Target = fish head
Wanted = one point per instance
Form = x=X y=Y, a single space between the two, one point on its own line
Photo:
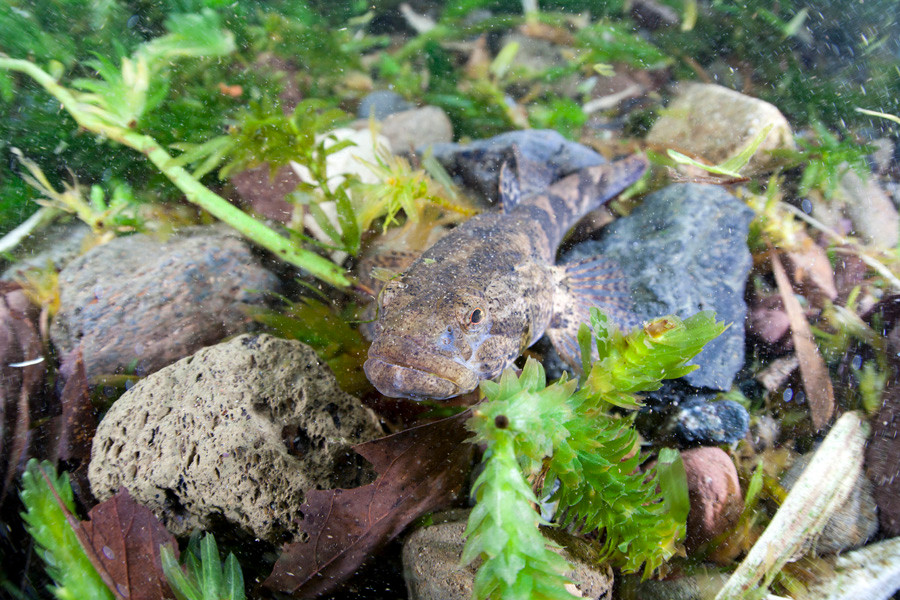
x=437 y=344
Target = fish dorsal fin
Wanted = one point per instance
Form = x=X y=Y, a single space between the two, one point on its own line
x=594 y=281
x=510 y=192
x=534 y=177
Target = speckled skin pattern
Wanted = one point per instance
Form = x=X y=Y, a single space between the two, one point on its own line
x=466 y=309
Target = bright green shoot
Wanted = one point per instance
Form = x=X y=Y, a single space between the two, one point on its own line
x=204 y=576
x=732 y=166
x=56 y=543
x=538 y=436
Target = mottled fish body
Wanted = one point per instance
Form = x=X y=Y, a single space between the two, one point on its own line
x=468 y=307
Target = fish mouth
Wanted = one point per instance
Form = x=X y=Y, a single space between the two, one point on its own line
x=399 y=379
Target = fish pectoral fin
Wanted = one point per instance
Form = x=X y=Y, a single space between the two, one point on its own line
x=592 y=282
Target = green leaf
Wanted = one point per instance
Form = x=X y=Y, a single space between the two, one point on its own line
x=181 y=585
x=673 y=483
x=233 y=581
x=211 y=580
x=732 y=166
x=43 y=493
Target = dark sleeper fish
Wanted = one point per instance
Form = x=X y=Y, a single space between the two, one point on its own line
x=468 y=307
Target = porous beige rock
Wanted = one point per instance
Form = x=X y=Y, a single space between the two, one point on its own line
x=432 y=571
x=715 y=123
x=715 y=494
x=239 y=431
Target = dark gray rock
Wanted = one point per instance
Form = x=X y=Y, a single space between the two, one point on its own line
x=382 y=103
x=477 y=165
x=685 y=250
x=139 y=303
x=698 y=422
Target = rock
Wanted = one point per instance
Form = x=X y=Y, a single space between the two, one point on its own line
x=685 y=250
x=769 y=323
x=698 y=422
x=266 y=194
x=715 y=493
x=381 y=103
x=431 y=566
x=56 y=245
x=238 y=431
x=868 y=207
x=690 y=587
x=872 y=573
x=417 y=128
x=139 y=303
x=854 y=522
x=477 y=165
x=715 y=123
x=776 y=375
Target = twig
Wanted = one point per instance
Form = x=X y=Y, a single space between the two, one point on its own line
x=42 y=217
x=824 y=486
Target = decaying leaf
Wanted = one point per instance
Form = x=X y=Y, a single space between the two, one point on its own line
x=419 y=470
x=21 y=374
x=76 y=428
x=813 y=372
x=122 y=539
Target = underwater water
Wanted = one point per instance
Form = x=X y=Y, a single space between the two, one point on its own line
x=468 y=299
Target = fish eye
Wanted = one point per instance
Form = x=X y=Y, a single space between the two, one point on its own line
x=476 y=316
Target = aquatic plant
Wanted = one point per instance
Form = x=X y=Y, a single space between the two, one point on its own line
x=204 y=576
x=566 y=447
x=112 y=107
x=44 y=494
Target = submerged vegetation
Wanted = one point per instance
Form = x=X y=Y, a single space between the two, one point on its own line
x=125 y=106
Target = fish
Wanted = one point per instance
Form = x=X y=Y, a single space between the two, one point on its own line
x=468 y=307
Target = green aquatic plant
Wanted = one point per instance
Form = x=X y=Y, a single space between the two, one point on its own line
x=733 y=165
x=403 y=188
x=203 y=576
x=105 y=217
x=44 y=493
x=565 y=446
x=112 y=105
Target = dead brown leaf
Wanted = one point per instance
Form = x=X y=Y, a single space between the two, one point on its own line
x=76 y=427
x=419 y=469
x=122 y=539
x=20 y=381
x=813 y=372
x=810 y=270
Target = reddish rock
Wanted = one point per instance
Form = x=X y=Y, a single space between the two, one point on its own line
x=715 y=493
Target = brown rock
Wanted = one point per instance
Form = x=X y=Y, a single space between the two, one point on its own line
x=715 y=493
x=264 y=193
x=139 y=303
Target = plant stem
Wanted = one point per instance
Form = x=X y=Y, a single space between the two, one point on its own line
x=91 y=119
